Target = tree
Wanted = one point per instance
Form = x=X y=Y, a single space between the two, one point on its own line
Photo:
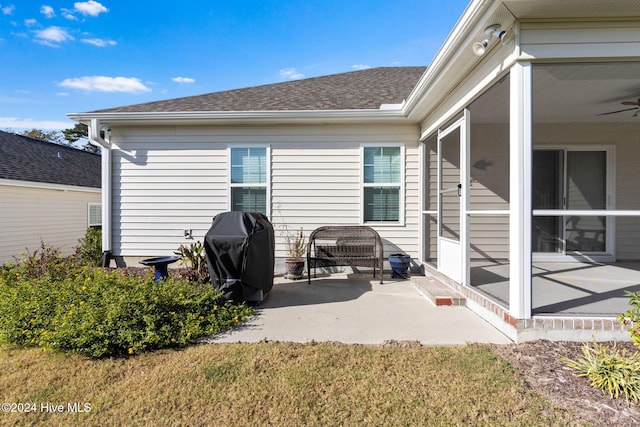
x=80 y=132
x=48 y=136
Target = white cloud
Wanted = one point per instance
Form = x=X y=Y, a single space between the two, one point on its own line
x=7 y=10
x=28 y=123
x=47 y=11
x=52 y=36
x=69 y=14
x=360 y=67
x=30 y=22
x=290 y=74
x=106 y=84
x=91 y=8
x=183 y=80
x=99 y=42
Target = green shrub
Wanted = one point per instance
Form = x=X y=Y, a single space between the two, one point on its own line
x=609 y=369
x=631 y=317
x=100 y=313
x=89 y=250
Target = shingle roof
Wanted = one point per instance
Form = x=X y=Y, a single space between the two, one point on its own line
x=27 y=159
x=365 y=89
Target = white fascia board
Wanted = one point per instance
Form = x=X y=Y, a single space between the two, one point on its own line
x=387 y=115
x=48 y=186
x=471 y=19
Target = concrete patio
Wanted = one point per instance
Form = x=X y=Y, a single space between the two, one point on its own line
x=356 y=309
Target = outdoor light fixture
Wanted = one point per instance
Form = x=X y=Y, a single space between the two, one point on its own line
x=492 y=30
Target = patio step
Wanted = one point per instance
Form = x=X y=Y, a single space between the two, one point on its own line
x=437 y=292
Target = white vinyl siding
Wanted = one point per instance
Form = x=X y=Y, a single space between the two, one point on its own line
x=586 y=39
x=166 y=180
x=31 y=215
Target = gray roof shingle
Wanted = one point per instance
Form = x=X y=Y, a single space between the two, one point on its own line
x=365 y=89
x=27 y=159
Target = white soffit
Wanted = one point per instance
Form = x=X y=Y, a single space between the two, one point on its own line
x=542 y=9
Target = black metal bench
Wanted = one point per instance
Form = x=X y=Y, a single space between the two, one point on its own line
x=354 y=246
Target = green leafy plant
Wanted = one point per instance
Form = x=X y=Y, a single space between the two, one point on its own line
x=608 y=369
x=631 y=317
x=194 y=258
x=296 y=246
x=100 y=313
x=89 y=250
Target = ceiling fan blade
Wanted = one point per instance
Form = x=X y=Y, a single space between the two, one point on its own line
x=619 y=111
x=630 y=103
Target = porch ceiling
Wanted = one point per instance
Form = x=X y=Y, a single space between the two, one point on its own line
x=576 y=93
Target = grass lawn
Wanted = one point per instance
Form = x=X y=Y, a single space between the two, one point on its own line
x=276 y=384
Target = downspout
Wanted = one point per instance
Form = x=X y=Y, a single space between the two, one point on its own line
x=105 y=145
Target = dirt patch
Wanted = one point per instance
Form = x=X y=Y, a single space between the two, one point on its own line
x=539 y=362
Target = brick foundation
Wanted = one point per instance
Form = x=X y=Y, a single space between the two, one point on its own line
x=443 y=291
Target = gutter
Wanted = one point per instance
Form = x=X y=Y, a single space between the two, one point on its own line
x=386 y=114
x=47 y=186
x=105 y=145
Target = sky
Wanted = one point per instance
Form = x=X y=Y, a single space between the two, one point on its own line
x=59 y=57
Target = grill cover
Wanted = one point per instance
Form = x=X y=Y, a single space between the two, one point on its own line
x=240 y=249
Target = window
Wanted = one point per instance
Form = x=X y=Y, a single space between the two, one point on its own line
x=94 y=215
x=382 y=184
x=249 y=170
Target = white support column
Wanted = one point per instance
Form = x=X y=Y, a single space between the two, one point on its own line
x=106 y=199
x=465 y=180
x=105 y=144
x=520 y=154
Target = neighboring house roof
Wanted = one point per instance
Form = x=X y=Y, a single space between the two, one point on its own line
x=356 y=90
x=27 y=159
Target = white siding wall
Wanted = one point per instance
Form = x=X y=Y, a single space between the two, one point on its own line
x=166 y=180
x=29 y=216
x=579 y=39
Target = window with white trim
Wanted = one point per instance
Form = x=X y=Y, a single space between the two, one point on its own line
x=382 y=172
x=94 y=215
x=249 y=178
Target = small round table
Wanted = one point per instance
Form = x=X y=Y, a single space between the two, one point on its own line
x=160 y=265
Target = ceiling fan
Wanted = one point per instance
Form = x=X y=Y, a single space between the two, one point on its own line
x=637 y=107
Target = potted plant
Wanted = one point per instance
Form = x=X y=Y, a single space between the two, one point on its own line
x=296 y=249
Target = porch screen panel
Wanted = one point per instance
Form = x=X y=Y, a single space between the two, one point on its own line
x=547 y=194
x=430 y=199
x=249 y=179
x=382 y=178
x=450 y=187
x=586 y=190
